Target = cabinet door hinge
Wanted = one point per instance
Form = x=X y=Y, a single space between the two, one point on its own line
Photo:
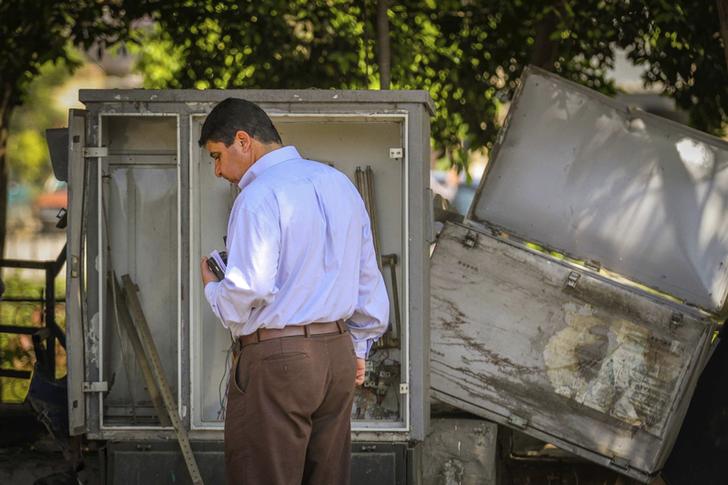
x=95 y=386
x=95 y=152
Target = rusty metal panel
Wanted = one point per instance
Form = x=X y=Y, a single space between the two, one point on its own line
x=460 y=451
x=589 y=176
x=560 y=352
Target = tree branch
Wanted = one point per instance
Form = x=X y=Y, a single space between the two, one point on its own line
x=384 y=51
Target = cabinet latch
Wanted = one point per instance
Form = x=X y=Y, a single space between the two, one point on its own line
x=572 y=279
x=470 y=240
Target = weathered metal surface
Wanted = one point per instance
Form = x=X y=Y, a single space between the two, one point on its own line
x=154 y=133
x=602 y=370
x=74 y=259
x=583 y=173
x=311 y=97
x=159 y=462
x=460 y=451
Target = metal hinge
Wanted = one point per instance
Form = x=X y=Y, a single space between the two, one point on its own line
x=404 y=388
x=396 y=153
x=572 y=279
x=620 y=463
x=95 y=152
x=74 y=266
x=95 y=386
x=593 y=265
x=517 y=421
x=470 y=240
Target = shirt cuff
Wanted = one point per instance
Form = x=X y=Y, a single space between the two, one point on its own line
x=210 y=293
x=362 y=347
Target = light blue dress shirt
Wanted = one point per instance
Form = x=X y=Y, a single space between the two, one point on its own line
x=300 y=250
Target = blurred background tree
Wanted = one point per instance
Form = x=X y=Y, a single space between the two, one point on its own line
x=34 y=33
x=467 y=54
x=27 y=154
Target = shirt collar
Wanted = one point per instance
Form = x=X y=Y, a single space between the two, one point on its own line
x=267 y=161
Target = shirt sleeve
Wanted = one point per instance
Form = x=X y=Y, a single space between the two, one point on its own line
x=371 y=316
x=250 y=278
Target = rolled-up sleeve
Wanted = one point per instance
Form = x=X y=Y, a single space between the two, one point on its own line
x=371 y=316
x=250 y=278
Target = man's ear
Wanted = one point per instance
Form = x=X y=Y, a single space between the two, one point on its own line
x=244 y=139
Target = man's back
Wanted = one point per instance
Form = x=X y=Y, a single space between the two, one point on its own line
x=302 y=248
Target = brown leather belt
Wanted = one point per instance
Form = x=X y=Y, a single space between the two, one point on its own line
x=316 y=328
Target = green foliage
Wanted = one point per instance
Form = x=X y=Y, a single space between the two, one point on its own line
x=679 y=41
x=468 y=55
x=35 y=32
x=27 y=151
x=273 y=44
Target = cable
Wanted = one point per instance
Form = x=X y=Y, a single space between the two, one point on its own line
x=223 y=396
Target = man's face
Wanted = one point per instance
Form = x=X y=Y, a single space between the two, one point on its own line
x=231 y=162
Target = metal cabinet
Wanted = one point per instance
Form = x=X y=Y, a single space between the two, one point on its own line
x=578 y=299
x=145 y=203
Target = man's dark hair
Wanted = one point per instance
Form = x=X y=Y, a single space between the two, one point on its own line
x=234 y=114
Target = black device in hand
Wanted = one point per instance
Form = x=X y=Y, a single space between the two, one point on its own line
x=217 y=262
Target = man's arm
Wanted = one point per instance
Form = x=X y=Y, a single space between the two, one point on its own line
x=371 y=316
x=250 y=279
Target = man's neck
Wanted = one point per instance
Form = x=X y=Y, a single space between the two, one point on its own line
x=263 y=149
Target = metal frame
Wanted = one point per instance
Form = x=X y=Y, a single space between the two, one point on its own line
x=403 y=116
x=103 y=268
x=307 y=103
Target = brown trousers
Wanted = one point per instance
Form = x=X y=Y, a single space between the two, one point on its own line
x=288 y=417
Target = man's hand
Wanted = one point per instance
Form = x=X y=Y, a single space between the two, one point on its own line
x=361 y=366
x=207 y=275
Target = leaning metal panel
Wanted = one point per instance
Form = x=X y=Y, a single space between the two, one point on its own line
x=560 y=352
x=586 y=175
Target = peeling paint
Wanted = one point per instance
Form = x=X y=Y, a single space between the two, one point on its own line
x=613 y=366
x=92 y=340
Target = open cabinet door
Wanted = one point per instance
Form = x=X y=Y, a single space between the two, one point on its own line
x=74 y=272
x=578 y=299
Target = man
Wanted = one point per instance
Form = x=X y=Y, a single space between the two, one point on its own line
x=304 y=296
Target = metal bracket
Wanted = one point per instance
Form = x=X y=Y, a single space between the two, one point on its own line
x=470 y=240
x=517 y=421
x=677 y=319
x=621 y=463
x=95 y=386
x=572 y=279
x=593 y=265
x=404 y=388
x=396 y=153
x=95 y=152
